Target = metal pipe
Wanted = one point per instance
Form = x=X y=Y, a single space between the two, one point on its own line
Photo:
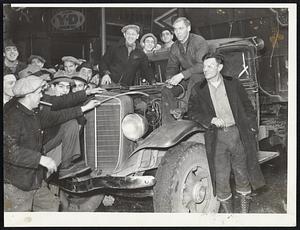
x=103 y=31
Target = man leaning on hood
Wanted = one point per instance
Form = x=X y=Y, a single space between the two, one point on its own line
x=121 y=62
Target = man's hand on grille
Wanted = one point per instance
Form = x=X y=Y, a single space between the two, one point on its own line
x=48 y=163
x=218 y=122
x=90 y=105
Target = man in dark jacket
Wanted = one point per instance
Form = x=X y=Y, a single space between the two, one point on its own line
x=221 y=105
x=24 y=158
x=184 y=66
x=121 y=63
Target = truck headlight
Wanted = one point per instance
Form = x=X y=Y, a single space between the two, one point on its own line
x=134 y=126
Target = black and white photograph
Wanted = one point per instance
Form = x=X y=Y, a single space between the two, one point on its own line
x=149 y=114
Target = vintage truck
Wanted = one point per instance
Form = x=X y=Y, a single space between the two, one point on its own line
x=132 y=154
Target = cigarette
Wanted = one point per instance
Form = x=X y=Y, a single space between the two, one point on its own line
x=45 y=103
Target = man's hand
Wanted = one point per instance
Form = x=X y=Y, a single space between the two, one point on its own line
x=90 y=105
x=106 y=80
x=218 y=122
x=48 y=163
x=94 y=91
x=175 y=79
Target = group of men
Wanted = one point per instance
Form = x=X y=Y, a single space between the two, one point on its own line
x=219 y=103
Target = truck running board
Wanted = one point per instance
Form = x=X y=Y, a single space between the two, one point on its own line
x=87 y=184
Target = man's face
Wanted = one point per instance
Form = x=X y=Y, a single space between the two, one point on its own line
x=61 y=88
x=149 y=43
x=11 y=53
x=35 y=98
x=37 y=62
x=79 y=85
x=181 y=31
x=131 y=35
x=70 y=67
x=9 y=81
x=86 y=73
x=211 y=68
x=166 y=36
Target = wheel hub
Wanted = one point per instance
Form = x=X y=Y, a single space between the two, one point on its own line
x=199 y=192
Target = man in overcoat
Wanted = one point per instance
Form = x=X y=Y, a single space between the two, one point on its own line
x=221 y=105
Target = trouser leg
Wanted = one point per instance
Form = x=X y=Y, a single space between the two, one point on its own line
x=45 y=200
x=17 y=200
x=169 y=102
x=222 y=168
x=68 y=136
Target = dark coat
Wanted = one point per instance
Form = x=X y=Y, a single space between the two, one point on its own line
x=201 y=110
x=123 y=68
x=23 y=135
x=62 y=102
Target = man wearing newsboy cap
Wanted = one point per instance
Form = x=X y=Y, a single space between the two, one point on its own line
x=25 y=162
x=121 y=62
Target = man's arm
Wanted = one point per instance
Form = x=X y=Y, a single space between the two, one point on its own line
x=173 y=66
x=201 y=47
x=13 y=152
x=196 y=109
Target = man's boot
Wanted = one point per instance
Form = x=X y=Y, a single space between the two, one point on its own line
x=227 y=205
x=245 y=203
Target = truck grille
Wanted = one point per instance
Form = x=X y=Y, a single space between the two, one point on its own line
x=102 y=136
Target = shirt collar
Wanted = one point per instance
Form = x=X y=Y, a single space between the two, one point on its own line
x=216 y=84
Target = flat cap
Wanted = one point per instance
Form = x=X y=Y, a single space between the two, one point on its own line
x=29 y=70
x=146 y=36
x=8 y=43
x=27 y=85
x=79 y=77
x=60 y=76
x=36 y=57
x=70 y=58
x=131 y=26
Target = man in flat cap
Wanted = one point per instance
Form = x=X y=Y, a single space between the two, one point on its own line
x=36 y=60
x=25 y=159
x=70 y=64
x=11 y=54
x=121 y=62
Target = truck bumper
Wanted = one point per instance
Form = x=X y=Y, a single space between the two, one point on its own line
x=87 y=184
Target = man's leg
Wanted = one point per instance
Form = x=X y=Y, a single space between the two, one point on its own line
x=223 y=169
x=169 y=101
x=68 y=135
x=239 y=166
x=45 y=200
x=17 y=200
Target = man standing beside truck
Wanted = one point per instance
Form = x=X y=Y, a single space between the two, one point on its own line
x=221 y=105
x=185 y=66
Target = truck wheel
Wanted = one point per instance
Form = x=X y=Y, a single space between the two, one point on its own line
x=79 y=203
x=184 y=182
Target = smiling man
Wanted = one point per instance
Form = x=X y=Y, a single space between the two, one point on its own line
x=10 y=61
x=185 y=66
x=121 y=63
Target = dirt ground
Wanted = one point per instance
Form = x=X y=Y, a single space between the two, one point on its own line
x=270 y=199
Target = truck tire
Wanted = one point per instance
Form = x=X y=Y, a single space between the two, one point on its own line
x=79 y=203
x=184 y=182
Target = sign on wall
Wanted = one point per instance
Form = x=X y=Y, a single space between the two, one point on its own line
x=68 y=21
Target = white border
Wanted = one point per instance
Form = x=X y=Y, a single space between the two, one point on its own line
x=194 y=219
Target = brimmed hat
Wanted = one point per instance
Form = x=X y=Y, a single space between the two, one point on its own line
x=8 y=43
x=29 y=70
x=148 y=35
x=27 y=85
x=70 y=58
x=36 y=57
x=60 y=76
x=131 y=26
x=79 y=77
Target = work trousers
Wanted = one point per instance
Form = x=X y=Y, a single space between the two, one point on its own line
x=230 y=155
x=42 y=199
x=68 y=138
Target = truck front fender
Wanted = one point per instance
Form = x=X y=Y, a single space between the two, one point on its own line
x=168 y=135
